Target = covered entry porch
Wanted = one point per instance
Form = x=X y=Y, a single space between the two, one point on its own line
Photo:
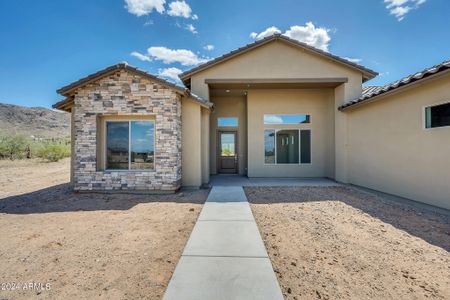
x=274 y=128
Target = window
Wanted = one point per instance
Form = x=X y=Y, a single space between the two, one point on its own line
x=227 y=122
x=227 y=144
x=130 y=145
x=305 y=146
x=287 y=146
x=437 y=116
x=286 y=119
x=269 y=146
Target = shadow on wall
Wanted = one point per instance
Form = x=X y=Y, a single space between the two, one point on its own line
x=431 y=226
x=61 y=198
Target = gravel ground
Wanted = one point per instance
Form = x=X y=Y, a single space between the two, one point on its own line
x=107 y=246
x=342 y=243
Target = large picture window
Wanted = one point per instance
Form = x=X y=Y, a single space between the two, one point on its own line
x=130 y=145
x=287 y=146
x=437 y=116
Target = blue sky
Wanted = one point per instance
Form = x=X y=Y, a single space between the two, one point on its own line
x=47 y=44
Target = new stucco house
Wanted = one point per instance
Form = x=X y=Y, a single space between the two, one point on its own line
x=273 y=108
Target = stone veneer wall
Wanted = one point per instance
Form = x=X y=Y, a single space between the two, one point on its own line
x=125 y=93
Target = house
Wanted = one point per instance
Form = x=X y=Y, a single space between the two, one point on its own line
x=273 y=108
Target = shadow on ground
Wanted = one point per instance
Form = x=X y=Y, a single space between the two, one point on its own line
x=61 y=198
x=429 y=225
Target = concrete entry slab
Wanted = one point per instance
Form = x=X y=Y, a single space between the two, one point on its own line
x=223 y=278
x=236 y=180
x=225 y=238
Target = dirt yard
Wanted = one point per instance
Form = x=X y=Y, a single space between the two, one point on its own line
x=342 y=243
x=87 y=245
x=28 y=175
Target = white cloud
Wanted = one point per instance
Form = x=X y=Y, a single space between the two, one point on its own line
x=272 y=119
x=310 y=34
x=140 y=56
x=209 y=47
x=268 y=32
x=191 y=28
x=399 y=8
x=317 y=37
x=171 y=73
x=144 y=7
x=181 y=9
x=169 y=56
x=353 y=60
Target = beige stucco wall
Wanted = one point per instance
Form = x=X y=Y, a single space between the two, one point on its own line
x=227 y=107
x=276 y=60
x=191 y=141
x=390 y=150
x=280 y=60
x=205 y=114
x=318 y=103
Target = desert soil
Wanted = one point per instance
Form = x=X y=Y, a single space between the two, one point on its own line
x=343 y=243
x=87 y=246
x=29 y=175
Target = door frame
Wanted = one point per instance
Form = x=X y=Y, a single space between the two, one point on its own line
x=219 y=148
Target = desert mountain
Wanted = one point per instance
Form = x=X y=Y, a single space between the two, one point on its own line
x=33 y=121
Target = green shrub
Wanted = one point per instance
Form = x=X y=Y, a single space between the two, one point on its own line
x=53 y=151
x=14 y=147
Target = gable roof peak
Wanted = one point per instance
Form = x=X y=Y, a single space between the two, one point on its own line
x=367 y=73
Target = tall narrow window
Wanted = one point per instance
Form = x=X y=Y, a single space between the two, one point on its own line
x=287 y=147
x=142 y=143
x=117 y=143
x=130 y=145
x=437 y=116
x=269 y=146
x=305 y=146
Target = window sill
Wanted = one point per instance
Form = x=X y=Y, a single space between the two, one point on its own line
x=128 y=171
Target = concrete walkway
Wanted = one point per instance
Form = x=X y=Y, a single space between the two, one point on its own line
x=225 y=257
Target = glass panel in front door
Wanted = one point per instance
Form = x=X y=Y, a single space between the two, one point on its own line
x=228 y=144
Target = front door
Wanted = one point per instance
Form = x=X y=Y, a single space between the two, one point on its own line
x=227 y=156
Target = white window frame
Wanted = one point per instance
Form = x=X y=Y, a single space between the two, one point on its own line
x=424 y=116
x=299 y=147
x=105 y=158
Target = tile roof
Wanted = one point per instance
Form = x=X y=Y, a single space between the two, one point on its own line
x=370 y=92
x=368 y=72
x=66 y=90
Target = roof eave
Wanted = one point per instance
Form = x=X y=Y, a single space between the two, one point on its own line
x=64 y=105
x=68 y=89
x=385 y=93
